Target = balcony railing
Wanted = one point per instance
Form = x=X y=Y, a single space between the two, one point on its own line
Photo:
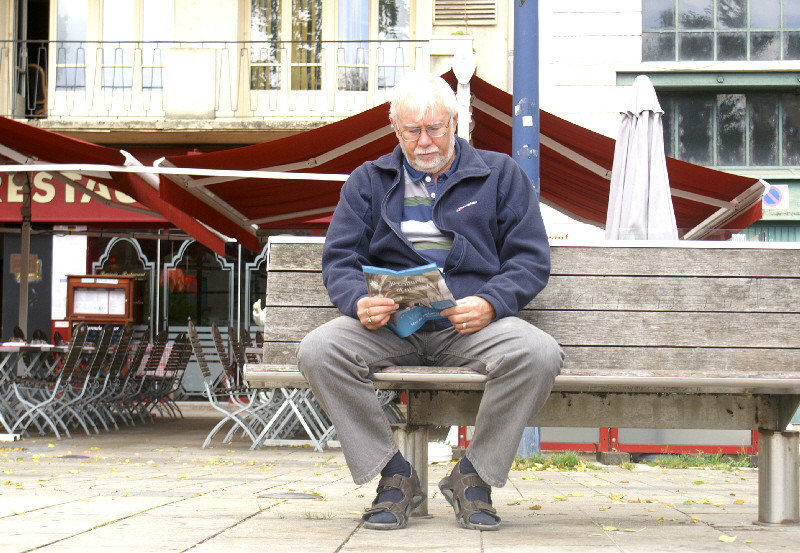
x=235 y=81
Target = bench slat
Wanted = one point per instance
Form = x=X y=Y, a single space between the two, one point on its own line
x=688 y=259
x=447 y=378
x=778 y=295
x=645 y=361
x=604 y=328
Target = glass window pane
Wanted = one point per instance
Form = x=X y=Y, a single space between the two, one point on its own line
x=352 y=58
x=157 y=30
x=118 y=37
x=731 y=14
x=306 y=44
x=731 y=112
x=763 y=129
x=393 y=24
x=791 y=14
x=658 y=47
x=265 y=49
x=668 y=120
x=765 y=14
x=695 y=14
x=72 y=18
x=731 y=46
x=791 y=129
x=71 y=49
x=694 y=129
x=765 y=46
x=695 y=46
x=791 y=48
x=658 y=14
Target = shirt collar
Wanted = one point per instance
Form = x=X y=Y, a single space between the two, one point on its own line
x=419 y=175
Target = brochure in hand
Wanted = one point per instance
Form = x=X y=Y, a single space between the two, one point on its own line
x=420 y=292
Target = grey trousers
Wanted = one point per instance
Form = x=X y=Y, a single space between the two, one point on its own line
x=520 y=361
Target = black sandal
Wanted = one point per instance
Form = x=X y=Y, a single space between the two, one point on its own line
x=454 y=490
x=413 y=496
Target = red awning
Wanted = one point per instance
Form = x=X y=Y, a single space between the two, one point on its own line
x=575 y=174
x=24 y=144
x=575 y=171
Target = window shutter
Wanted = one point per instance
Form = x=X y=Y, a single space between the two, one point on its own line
x=465 y=12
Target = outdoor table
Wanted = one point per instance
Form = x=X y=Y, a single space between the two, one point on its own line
x=20 y=359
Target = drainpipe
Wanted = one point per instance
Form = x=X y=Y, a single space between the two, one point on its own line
x=525 y=130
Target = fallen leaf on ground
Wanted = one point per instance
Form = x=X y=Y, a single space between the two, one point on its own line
x=727 y=539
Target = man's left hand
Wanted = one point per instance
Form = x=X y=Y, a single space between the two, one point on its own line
x=470 y=314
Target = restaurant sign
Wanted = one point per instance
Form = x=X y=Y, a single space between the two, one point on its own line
x=54 y=201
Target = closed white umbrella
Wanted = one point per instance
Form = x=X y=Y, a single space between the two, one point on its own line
x=639 y=202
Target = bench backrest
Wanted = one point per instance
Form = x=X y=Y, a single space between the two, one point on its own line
x=687 y=309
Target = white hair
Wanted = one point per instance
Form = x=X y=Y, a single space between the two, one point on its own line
x=422 y=91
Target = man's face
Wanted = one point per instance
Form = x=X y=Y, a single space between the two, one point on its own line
x=425 y=153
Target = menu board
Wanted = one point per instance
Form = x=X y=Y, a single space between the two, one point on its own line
x=99 y=299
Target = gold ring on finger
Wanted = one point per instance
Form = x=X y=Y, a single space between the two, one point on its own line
x=367 y=311
x=369 y=320
x=463 y=326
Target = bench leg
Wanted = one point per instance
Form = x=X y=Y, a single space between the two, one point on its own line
x=413 y=444
x=778 y=480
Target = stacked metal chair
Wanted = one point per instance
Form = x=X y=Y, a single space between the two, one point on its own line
x=119 y=397
x=98 y=397
x=72 y=406
x=135 y=395
x=160 y=383
x=238 y=404
x=41 y=399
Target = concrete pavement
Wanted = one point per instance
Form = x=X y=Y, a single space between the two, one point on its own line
x=152 y=488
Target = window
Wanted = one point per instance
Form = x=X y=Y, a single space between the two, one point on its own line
x=71 y=43
x=733 y=129
x=724 y=30
x=365 y=33
x=133 y=36
x=280 y=25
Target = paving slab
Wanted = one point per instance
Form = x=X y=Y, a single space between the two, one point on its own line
x=151 y=488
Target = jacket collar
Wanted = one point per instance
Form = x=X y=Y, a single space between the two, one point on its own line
x=470 y=164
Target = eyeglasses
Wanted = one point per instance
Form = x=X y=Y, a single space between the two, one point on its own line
x=433 y=131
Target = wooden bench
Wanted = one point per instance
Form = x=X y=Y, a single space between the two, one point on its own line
x=699 y=335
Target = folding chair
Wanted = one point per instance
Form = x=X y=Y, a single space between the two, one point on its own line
x=222 y=391
x=38 y=396
x=71 y=404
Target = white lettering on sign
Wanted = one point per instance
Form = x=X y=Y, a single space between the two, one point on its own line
x=43 y=189
x=99 y=189
x=123 y=198
x=14 y=192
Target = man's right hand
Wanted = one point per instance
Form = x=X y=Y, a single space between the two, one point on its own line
x=374 y=312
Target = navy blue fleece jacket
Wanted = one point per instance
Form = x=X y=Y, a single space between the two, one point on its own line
x=489 y=206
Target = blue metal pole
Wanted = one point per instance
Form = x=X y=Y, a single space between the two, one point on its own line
x=525 y=130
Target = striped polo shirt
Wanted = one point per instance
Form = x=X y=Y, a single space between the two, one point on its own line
x=421 y=191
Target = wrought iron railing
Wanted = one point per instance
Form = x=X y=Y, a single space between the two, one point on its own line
x=201 y=80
